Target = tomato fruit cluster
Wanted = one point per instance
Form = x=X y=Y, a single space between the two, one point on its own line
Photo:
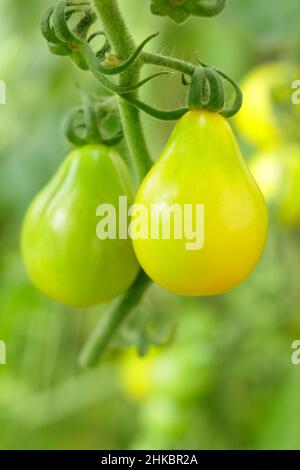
x=200 y=166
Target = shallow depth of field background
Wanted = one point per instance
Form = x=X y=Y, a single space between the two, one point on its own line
x=225 y=380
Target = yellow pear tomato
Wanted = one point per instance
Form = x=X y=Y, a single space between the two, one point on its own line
x=224 y=216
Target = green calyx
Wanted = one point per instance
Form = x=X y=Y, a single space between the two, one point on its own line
x=64 y=41
x=90 y=123
x=207 y=91
x=180 y=10
x=57 y=43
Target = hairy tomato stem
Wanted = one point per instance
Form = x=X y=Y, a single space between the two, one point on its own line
x=123 y=46
x=168 y=62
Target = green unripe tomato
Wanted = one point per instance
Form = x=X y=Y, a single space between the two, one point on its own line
x=62 y=253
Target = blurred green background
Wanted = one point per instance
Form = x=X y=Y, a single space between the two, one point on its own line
x=225 y=380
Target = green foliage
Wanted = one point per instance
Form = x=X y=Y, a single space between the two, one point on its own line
x=236 y=349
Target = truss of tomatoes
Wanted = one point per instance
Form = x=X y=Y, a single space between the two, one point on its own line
x=201 y=164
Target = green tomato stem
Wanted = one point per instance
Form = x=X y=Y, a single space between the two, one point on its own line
x=102 y=336
x=168 y=62
x=123 y=45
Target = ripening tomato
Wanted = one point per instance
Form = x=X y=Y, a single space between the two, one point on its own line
x=136 y=373
x=63 y=255
x=268 y=116
x=182 y=373
x=224 y=217
x=277 y=173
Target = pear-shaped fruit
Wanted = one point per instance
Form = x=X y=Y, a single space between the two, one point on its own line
x=224 y=219
x=63 y=255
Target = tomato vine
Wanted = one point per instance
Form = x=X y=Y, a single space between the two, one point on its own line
x=121 y=57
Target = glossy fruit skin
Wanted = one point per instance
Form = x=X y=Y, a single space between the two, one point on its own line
x=268 y=117
x=277 y=173
x=202 y=164
x=62 y=253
